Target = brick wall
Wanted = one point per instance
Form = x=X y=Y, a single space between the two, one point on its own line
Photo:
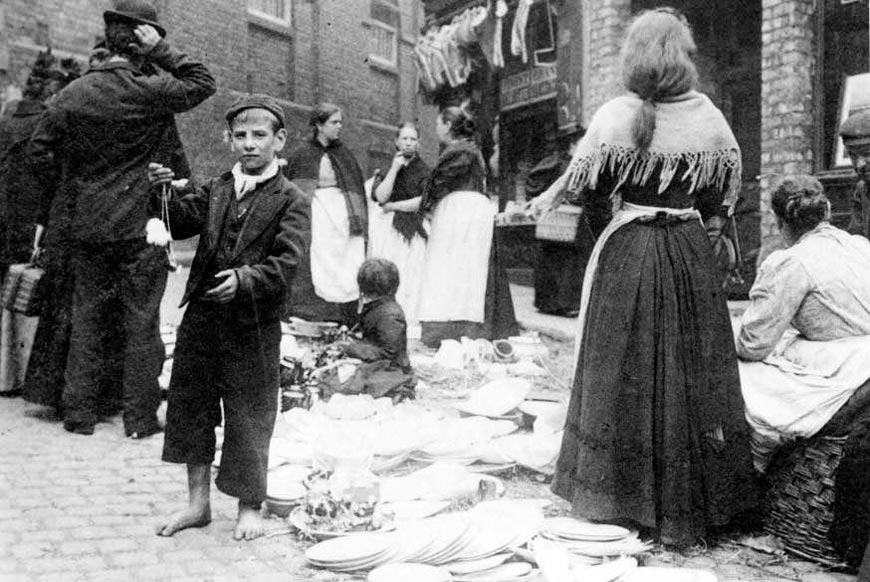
x=787 y=119
x=607 y=22
x=299 y=64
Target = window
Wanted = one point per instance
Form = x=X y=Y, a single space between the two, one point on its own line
x=383 y=32
x=277 y=11
x=845 y=54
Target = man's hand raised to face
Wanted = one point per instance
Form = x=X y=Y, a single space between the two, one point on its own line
x=148 y=37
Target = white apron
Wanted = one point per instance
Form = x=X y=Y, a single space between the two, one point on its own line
x=335 y=255
x=453 y=285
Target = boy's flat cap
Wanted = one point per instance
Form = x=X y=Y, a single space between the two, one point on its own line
x=856 y=127
x=256 y=101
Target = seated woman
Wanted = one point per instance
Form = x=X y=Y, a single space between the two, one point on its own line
x=805 y=338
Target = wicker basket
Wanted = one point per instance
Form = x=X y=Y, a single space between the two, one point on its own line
x=800 y=500
x=560 y=225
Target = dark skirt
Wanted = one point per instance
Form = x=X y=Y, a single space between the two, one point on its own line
x=306 y=304
x=44 y=381
x=657 y=373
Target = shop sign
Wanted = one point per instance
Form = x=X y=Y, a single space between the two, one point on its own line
x=530 y=86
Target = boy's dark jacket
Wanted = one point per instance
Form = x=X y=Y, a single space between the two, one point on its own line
x=272 y=242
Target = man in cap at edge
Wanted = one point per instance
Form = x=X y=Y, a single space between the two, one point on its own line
x=855 y=132
x=99 y=136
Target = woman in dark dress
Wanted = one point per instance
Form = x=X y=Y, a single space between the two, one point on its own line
x=464 y=290
x=560 y=265
x=655 y=432
x=403 y=241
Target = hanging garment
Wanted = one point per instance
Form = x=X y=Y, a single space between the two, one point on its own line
x=518 y=32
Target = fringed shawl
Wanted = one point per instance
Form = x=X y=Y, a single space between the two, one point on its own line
x=303 y=167
x=689 y=129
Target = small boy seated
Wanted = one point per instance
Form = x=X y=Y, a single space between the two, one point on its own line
x=253 y=228
x=383 y=348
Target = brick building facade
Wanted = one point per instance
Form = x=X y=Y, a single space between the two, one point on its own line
x=776 y=68
x=355 y=54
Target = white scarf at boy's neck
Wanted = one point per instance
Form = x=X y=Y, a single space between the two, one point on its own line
x=244 y=183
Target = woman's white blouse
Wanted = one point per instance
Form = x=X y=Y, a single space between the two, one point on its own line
x=820 y=286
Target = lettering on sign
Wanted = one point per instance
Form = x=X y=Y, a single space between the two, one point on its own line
x=527 y=87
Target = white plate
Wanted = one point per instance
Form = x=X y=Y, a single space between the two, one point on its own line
x=537 y=408
x=498 y=397
x=300 y=519
x=413 y=509
x=503 y=573
x=573 y=529
x=345 y=549
x=489 y=540
x=609 y=571
x=664 y=574
x=408 y=573
x=286 y=491
x=472 y=566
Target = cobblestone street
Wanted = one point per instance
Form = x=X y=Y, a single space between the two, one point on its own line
x=80 y=508
x=84 y=508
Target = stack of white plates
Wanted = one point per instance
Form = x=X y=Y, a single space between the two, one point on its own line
x=592 y=539
x=352 y=553
x=523 y=517
x=570 y=529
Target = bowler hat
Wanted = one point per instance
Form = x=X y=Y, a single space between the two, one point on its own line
x=256 y=101
x=135 y=12
x=856 y=128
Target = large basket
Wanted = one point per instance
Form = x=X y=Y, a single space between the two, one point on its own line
x=560 y=225
x=800 y=500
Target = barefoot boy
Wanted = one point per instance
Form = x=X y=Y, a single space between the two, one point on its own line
x=254 y=228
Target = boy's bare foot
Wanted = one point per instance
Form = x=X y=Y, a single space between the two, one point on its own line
x=192 y=516
x=250 y=524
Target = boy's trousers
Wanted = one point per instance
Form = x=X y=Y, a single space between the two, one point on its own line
x=219 y=361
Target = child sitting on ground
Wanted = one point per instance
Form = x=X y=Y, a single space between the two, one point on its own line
x=254 y=228
x=383 y=348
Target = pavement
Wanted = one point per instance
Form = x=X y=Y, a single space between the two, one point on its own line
x=83 y=508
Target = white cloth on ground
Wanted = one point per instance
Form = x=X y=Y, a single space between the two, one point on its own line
x=453 y=286
x=335 y=256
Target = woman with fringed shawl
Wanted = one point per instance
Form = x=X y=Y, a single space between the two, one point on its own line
x=655 y=434
x=324 y=168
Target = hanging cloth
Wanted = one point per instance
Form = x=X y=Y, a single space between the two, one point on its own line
x=518 y=32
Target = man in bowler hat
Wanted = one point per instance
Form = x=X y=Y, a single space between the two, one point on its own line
x=94 y=144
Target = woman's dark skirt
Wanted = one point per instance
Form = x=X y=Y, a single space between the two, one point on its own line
x=45 y=379
x=657 y=375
